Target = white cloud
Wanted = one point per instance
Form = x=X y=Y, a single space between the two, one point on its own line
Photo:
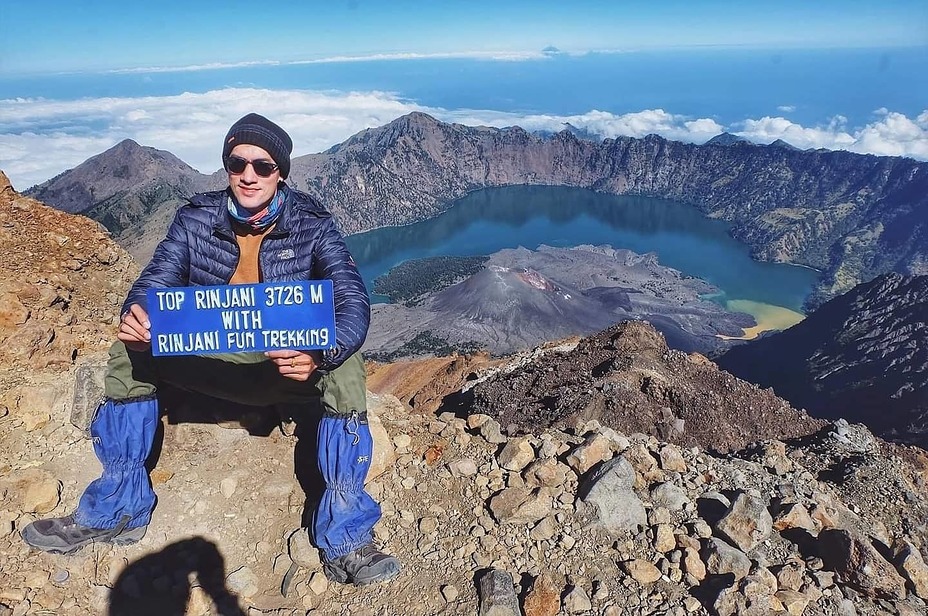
x=496 y=56
x=891 y=134
x=602 y=123
x=193 y=67
x=769 y=129
x=500 y=56
x=40 y=138
x=787 y=108
x=504 y=56
x=895 y=135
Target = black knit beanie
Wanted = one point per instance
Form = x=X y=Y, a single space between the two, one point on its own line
x=257 y=130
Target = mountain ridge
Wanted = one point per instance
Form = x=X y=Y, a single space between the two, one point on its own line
x=850 y=216
x=123 y=167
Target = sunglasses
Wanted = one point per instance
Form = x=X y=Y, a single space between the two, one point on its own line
x=237 y=164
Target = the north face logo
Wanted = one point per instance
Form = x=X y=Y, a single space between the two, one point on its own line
x=285 y=254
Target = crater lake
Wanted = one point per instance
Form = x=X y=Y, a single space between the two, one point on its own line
x=489 y=220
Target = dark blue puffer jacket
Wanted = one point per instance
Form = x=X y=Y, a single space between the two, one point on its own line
x=200 y=250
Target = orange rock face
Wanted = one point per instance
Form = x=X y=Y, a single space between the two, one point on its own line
x=62 y=282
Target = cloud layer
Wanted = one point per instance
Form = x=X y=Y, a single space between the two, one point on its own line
x=41 y=138
x=499 y=56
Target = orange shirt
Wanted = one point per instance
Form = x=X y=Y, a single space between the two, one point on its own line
x=249 y=241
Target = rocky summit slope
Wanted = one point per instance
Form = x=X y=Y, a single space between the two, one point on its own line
x=579 y=513
x=627 y=378
x=851 y=216
x=862 y=356
x=62 y=281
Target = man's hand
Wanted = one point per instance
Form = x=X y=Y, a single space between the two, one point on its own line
x=134 y=329
x=296 y=365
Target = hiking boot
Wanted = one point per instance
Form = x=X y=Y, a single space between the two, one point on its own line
x=65 y=535
x=366 y=565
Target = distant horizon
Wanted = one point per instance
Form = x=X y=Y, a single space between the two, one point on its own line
x=101 y=35
x=525 y=55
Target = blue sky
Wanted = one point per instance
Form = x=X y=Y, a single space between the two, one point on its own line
x=91 y=35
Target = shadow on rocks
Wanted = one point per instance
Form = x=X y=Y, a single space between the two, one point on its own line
x=461 y=403
x=306 y=460
x=303 y=419
x=160 y=584
x=806 y=543
x=708 y=590
x=193 y=407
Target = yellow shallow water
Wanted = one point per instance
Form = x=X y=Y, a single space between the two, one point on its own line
x=768 y=317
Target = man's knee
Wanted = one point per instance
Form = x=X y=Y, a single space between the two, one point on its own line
x=128 y=374
x=344 y=389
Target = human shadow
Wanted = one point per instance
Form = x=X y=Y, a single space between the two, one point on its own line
x=160 y=584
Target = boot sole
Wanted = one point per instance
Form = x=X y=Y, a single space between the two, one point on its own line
x=127 y=537
x=383 y=577
x=341 y=576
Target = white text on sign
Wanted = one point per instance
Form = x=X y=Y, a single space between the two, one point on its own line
x=242 y=318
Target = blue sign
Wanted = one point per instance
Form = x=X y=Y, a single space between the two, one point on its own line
x=237 y=318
